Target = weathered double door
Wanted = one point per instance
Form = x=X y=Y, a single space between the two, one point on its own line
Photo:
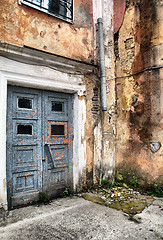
x=39 y=144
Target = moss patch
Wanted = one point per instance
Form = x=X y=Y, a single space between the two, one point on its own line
x=94 y=198
x=127 y=200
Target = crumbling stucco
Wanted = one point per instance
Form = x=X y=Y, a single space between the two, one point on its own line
x=25 y=26
x=138 y=45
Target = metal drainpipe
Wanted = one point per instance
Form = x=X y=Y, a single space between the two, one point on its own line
x=102 y=64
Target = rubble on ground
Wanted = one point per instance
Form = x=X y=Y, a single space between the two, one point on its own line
x=121 y=198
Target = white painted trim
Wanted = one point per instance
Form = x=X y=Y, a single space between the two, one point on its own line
x=42 y=77
x=3 y=106
x=79 y=146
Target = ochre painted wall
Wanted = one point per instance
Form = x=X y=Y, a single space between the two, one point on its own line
x=139 y=98
x=25 y=26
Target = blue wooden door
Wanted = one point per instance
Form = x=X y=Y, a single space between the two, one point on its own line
x=57 y=168
x=39 y=144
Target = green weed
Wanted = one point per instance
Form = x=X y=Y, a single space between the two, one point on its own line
x=159 y=190
x=104 y=182
x=135 y=181
x=67 y=192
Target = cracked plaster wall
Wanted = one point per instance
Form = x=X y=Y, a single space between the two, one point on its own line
x=139 y=106
x=25 y=26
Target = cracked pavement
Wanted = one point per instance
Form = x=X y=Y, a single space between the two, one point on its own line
x=76 y=218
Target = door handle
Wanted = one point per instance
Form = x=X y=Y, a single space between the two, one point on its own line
x=50 y=151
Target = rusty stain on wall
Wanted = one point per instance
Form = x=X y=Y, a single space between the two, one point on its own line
x=137 y=46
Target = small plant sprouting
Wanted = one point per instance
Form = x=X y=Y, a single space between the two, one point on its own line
x=111 y=184
x=135 y=181
x=117 y=184
x=104 y=182
x=159 y=190
x=67 y=192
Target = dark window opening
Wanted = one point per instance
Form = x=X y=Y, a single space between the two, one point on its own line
x=25 y=103
x=24 y=129
x=58 y=130
x=58 y=8
x=57 y=107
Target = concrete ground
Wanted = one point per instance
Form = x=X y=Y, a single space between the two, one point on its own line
x=77 y=218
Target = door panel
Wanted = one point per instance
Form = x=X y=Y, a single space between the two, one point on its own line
x=58 y=143
x=39 y=144
x=23 y=145
x=26 y=105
